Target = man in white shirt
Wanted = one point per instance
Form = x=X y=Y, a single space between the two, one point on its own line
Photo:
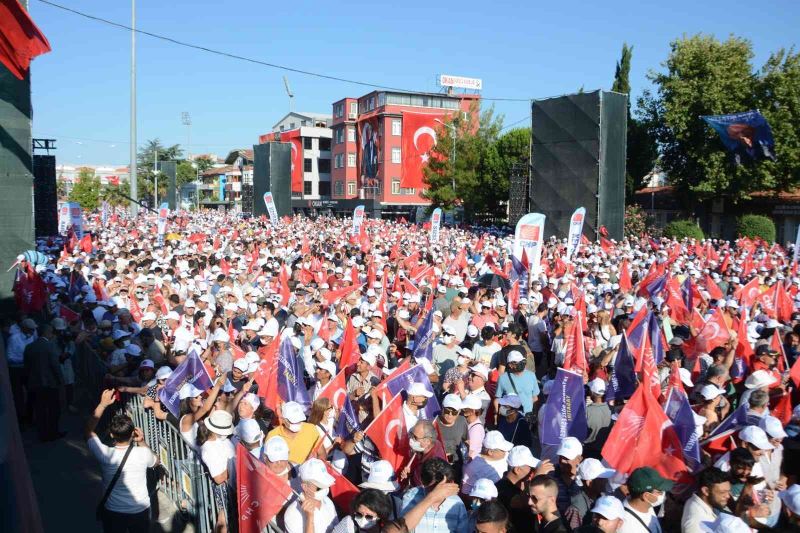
x=127 y=507
x=315 y=505
x=713 y=493
x=647 y=491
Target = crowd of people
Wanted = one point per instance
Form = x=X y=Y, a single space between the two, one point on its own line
x=315 y=339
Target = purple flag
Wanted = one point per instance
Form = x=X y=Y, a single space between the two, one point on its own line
x=655 y=339
x=415 y=374
x=520 y=272
x=679 y=411
x=622 y=382
x=564 y=413
x=423 y=340
x=687 y=291
x=734 y=422
x=348 y=421
x=290 y=376
x=191 y=371
x=655 y=287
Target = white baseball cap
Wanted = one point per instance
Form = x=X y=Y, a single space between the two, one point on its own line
x=710 y=391
x=494 y=440
x=453 y=401
x=249 y=431
x=293 y=412
x=163 y=372
x=570 y=448
x=727 y=523
x=791 y=498
x=515 y=357
x=597 y=386
x=757 y=437
x=471 y=402
x=314 y=471
x=522 y=456
x=327 y=365
x=381 y=477
x=609 y=508
x=759 y=379
x=480 y=369
x=370 y=357
x=686 y=377
x=483 y=489
x=772 y=427
x=276 y=449
x=591 y=468
x=510 y=400
x=418 y=389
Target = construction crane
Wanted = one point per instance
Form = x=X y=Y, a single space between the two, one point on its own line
x=289 y=93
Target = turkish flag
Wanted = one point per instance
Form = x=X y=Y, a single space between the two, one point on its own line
x=224 y=266
x=297 y=160
x=625 y=276
x=677 y=308
x=783 y=304
x=419 y=138
x=261 y=493
x=644 y=436
x=342 y=491
x=388 y=433
x=781 y=408
x=20 y=39
x=748 y=294
x=136 y=311
x=158 y=298
x=713 y=289
x=350 y=352
x=267 y=375
x=575 y=356
x=71 y=316
x=336 y=390
x=714 y=333
x=332 y=296
x=305 y=248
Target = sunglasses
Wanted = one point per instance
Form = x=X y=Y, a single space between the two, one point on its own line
x=450 y=411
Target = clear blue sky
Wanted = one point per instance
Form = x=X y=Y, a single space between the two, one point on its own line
x=520 y=49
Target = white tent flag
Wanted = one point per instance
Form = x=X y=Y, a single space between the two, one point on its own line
x=575 y=231
x=436 y=223
x=358 y=219
x=273 y=213
x=797 y=245
x=529 y=236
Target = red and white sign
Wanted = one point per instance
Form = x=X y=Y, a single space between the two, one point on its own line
x=446 y=80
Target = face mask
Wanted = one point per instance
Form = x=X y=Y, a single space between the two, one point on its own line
x=283 y=472
x=295 y=428
x=462 y=361
x=321 y=494
x=659 y=500
x=331 y=416
x=415 y=445
x=365 y=523
x=503 y=410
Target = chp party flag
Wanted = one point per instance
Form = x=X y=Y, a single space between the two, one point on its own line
x=679 y=411
x=564 y=413
x=622 y=382
x=400 y=381
x=348 y=420
x=269 y=201
x=290 y=375
x=575 y=232
x=436 y=223
x=261 y=494
x=746 y=135
x=528 y=236
x=358 y=219
x=191 y=371
x=424 y=339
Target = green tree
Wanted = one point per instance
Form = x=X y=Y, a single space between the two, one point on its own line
x=641 y=147
x=703 y=77
x=86 y=190
x=186 y=173
x=203 y=163
x=61 y=188
x=151 y=152
x=114 y=194
x=476 y=163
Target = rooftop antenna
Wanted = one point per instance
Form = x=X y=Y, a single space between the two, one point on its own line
x=289 y=93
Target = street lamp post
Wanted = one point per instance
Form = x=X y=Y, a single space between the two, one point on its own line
x=452 y=129
x=132 y=177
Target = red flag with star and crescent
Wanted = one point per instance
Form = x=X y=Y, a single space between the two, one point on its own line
x=419 y=138
x=388 y=433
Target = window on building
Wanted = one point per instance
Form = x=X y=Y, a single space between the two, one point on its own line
x=304 y=123
x=338 y=161
x=408 y=191
x=339 y=135
x=351 y=188
x=307 y=165
x=351 y=160
x=381 y=99
x=353 y=109
x=324 y=166
x=291 y=125
x=371 y=103
x=324 y=188
x=396 y=155
x=396 y=126
x=307 y=143
x=351 y=135
x=339 y=188
x=282 y=127
x=324 y=145
x=395 y=186
x=308 y=186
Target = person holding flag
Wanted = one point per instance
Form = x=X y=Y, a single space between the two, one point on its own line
x=301 y=436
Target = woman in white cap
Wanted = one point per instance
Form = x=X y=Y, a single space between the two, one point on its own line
x=219 y=455
x=483 y=490
x=314 y=506
x=193 y=407
x=490 y=464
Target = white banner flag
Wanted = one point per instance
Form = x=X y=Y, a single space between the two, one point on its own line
x=273 y=213
x=436 y=223
x=529 y=236
x=358 y=219
x=575 y=231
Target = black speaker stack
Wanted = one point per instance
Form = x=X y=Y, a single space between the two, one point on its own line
x=45 y=196
x=247 y=199
x=272 y=172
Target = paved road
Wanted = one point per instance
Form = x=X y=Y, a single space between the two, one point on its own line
x=67 y=482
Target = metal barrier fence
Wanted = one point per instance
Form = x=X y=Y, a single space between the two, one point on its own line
x=184 y=479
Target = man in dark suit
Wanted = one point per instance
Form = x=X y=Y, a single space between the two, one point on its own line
x=43 y=361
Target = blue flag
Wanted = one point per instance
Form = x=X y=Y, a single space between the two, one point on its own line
x=291 y=387
x=424 y=339
x=193 y=371
x=622 y=383
x=348 y=421
x=679 y=411
x=655 y=287
x=76 y=285
x=655 y=339
x=564 y=413
x=734 y=422
x=746 y=135
x=415 y=374
x=520 y=272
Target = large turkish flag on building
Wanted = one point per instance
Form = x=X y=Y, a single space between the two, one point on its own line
x=419 y=138
x=20 y=39
x=293 y=138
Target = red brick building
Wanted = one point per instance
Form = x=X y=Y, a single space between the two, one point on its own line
x=375 y=161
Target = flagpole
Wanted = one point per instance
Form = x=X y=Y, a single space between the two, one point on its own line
x=133 y=178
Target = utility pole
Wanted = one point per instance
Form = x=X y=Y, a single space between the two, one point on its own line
x=155 y=176
x=132 y=179
x=453 y=132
